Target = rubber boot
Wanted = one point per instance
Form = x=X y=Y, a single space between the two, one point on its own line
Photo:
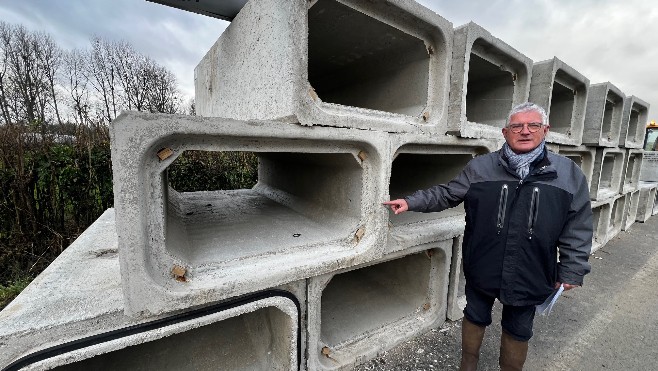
x=472 y=335
x=512 y=353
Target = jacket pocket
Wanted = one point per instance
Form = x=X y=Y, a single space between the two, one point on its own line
x=534 y=210
x=502 y=208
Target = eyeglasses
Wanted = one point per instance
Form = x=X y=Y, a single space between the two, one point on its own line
x=533 y=127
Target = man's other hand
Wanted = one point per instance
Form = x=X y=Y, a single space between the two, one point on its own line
x=398 y=206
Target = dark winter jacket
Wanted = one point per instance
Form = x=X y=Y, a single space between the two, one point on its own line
x=514 y=227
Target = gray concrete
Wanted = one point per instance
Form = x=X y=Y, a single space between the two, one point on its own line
x=647 y=202
x=318 y=188
x=608 y=324
x=562 y=91
x=632 y=201
x=79 y=295
x=457 y=287
x=488 y=78
x=601 y=211
x=609 y=170
x=316 y=207
x=354 y=314
x=634 y=117
x=605 y=103
x=634 y=158
x=347 y=63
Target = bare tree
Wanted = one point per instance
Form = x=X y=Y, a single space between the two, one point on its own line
x=77 y=84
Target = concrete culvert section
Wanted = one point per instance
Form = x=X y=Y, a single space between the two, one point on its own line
x=368 y=310
x=603 y=118
x=616 y=216
x=632 y=171
x=608 y=171
x=357 y=60
x=562 y=105
x=301 y=199
x=490 y=91
x=562 y=91
x=261 y=335
x=635 y=115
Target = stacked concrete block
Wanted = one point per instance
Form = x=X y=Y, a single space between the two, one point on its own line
x=605 y=103
x=349 y=63
x=323 y=186
x=618 y=207
x=632 y=200
x=607 y=177
x=457 y=287
x=635 y=115
x=646 y=202
x=601 y=211
x=632 y=170
x=356 y=313
x=562 y=91
x=90 y=330
x=488 y=78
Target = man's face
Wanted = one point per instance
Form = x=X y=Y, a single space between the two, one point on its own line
x=524 y=141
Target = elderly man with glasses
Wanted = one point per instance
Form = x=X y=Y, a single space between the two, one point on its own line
x=524 y=206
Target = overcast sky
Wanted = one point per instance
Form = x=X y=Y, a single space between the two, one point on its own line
x=605 y=40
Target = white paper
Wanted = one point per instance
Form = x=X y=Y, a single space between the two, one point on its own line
x=544 y=308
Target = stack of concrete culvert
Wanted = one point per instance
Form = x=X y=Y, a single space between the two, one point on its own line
x=346 y=104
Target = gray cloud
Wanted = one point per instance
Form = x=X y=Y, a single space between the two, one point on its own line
x=605 y=40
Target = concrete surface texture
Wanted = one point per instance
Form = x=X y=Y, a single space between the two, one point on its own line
x=608 y=324
x=488 y=78
x=354 y=312
x=634 y=118
x=632 y=171
x=605 y=103
x=345 y=63
x=562 y=91
x=607 y=178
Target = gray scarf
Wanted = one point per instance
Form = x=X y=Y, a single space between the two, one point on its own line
x=521 y=162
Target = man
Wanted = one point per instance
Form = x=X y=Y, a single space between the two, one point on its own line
x=522 y=204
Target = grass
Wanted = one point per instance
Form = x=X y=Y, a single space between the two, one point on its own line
x=9 y=292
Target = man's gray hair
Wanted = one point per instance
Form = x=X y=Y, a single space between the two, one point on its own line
x=527 y=107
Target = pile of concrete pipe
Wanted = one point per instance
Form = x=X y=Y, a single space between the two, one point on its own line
x=346 y=104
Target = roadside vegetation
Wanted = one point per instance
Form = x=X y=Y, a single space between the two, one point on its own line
x=55 y=166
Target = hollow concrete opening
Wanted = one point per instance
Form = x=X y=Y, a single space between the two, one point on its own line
x=632 y=173
x=611 y=115
x=562 y=105
x=598 y=216
x=616 y=215
x=631 y=208
x=607 y=172
x=490 y=89
x=356 y=60
x=300 y=199
x=366 y=299
x=636 y=121
x=258 y=340
x=414 y=171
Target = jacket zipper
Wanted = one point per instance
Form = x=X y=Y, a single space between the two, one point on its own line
x=534 y=210
x=502 y=207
